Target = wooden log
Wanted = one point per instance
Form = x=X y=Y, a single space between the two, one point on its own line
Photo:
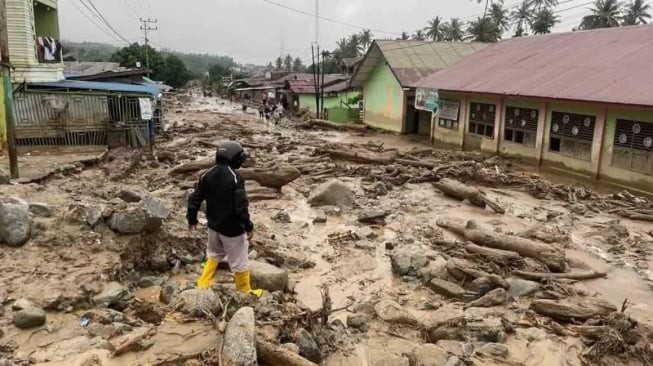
x=495 y=255
x=572 y=308
x=334 y=126
x=460 y=268
x=274 y=177
x=578 y=275
x=591 y=331
x=356 y=157
x=638 y=216
x=192 y=166
x=418 y=163
x=461 y=191
x=549 y=255
x=272 y=354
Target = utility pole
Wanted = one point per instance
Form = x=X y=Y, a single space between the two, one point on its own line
x=145 y=27
x=10 y=111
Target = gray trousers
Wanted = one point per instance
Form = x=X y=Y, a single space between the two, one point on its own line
x=235 y=250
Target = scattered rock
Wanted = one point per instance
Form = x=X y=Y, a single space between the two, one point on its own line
x=495 y=349
x=308 y=348
x=451 y=347
x=268 y=277
x=149 y=281
x=165 y=156
x=481 y=286
x=380 y=188
x=492 y=298
x=130 y=196
x=446 y=288
x=5 y=178
x=373 y=216
x=389 y=245
x=359 y=321
x=437 y=268
x=291 y=347
x=168 y=291
x=196 y=302
x=366 y=232
x=21 y=304
x=408 y=261
x=239 y=347
x=40 y=209
x=15 y=223
x=320 y=219
x=519 y=287
x=93 y=215
x=455 y=361
x=29 y=317
x=365 y=245
x=392 y=312
x=428 y=355
x=131 y=220
x=156 y=212
x=114 y=296
x=332 y=193
x=282 y=216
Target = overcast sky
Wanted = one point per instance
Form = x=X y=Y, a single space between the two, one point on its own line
x=256 y=31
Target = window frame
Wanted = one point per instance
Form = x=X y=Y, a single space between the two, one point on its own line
x=528 y=130
x=630 y=148
x=570 y=121
x=490 y=123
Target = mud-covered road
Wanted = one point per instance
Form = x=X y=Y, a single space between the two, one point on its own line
x=365 y=259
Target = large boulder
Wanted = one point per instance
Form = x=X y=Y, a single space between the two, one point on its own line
x=392 y=312
x=408 y=261
x=29 y=317
x=428 y=355
x=5 y=178
x=15 y=223
x=332 y=193
x=40 y=209
x=268 y=277
x=196 y=302
x=131 y=220
x=156 y=212
x=519 y=287
x=239 y=347
x=446 y=288
x=114 y=296
x=308 y=347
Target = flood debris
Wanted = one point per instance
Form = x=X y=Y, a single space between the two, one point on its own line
x=453 y=188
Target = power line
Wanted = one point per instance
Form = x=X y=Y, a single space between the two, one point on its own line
x=97 y=14
x=96 y=23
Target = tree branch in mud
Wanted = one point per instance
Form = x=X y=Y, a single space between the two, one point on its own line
x=272 y=354
x=553 y=258
x=498 y=256
x=579 y=275
x=272 y=177
x=461 y=191
x=333 y=126
x=572 y=308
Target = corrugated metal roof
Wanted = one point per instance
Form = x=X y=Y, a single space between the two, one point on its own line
x=95 y=85
x=607 y=65
x=332 y=83
x=91 y=68
x=411 y=61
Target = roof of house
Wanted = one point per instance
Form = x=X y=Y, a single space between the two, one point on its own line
x=332 y=83
x=109 y=75
x=607 y=65
x=411 y=61
x=351 y=61
x=90 y=68
x=96 y=85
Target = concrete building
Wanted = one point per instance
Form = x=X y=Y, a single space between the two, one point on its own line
x=387 y=74
x=579 y=102
x=337 y=97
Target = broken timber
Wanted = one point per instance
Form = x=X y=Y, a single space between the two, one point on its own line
x=461 y=191
x=334 y=126
x=572 y=309
x=272 y=178
x=272 y=354
x=581 y=275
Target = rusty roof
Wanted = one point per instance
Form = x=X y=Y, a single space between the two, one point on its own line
x=332 y=83
x=607 y=65
x=412 y=60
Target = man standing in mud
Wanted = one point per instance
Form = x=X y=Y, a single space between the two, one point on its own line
x=227 y=213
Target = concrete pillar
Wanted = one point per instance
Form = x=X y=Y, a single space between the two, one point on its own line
x=597 y=143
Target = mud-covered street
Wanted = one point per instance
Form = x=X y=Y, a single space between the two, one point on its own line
x=373 y=250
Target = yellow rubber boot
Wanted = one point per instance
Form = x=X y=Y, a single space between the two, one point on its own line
x=206 y=278
x=243 y=284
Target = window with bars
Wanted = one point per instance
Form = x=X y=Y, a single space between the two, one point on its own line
x=572 y=135
x=633 y=146
x=481 y=119
x=449 y=114
x=520 y=125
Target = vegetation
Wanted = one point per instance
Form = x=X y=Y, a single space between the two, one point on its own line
x=604 y=14
x=637 y=12
x=170 y=68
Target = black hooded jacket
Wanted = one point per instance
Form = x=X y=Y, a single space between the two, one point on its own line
x=223 y=189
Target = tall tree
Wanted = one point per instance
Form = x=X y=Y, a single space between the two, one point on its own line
x=419 y=35
x=522 y=18
x=543 y=21
x=366 y=37
x=175 y=73
x=605 y=14
x=453 y=31
x=287 y=63
x=637 y=12
x=500 y=16
x=405 y=36
x=270 y=67
x=355 y=45
x=298 y=65
x=544 y=4
x=483 y=30
x=278 y=63
x=435 y=29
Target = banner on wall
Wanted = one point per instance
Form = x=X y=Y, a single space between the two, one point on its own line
x=427 y=99
x=146 y=108
x=449 y=109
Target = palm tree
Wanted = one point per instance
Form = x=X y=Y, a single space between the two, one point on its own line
x=435 y=29
x=483 y=30
x=366 y=38
x=404 y=36
x=522 y=16
x=637 y=12
x=278 y=63
x=354 y=48
x=540 y=4
x=543 y=21
x=418 y=35
x=287 y=63
x=500 y=16
x=605 y=14
x=453 y=31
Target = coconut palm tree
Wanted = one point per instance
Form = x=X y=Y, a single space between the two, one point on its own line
x=543 y=21
x=453 y=31
x=419 y=35
x=435 y=29
x=500 y=16
x=366 y=39
x=522 y=17
x=540 y=4
x=483 y=30
x=605 y=14
x=637 y=12
x=355 y=45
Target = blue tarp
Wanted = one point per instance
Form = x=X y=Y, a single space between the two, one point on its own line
x=152 y=90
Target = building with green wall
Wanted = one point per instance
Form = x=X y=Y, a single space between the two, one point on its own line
x=386 y=75
x=337 y=96
x=568 y=102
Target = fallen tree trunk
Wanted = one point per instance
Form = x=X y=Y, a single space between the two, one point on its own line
x=357 y=157
x=272 y=354
x=460 y=268
x=334 y=126
x=553 y=258
x=495 y=255
x=572 y=308
x=461 y=191
x=249 y=145
x=273 y=177
x=192 y=166
x=580 y=275
x=418 y=163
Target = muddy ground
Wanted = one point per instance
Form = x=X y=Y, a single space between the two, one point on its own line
x=372 y=279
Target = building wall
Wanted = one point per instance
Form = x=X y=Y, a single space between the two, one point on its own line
x=447 y=137
x=475 y=142
x=308 y=101
x=517 y=150
x=3 y=126
x=383 y=99
x=46 y=21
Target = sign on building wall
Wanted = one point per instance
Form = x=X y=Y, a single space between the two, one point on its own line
x=146 y=108
x=449 y=109
x=427 y=99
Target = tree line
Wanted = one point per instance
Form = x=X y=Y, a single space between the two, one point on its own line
x=287 y=63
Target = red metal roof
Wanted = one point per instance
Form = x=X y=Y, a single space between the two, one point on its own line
x=332 y=83
x=608 y=65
